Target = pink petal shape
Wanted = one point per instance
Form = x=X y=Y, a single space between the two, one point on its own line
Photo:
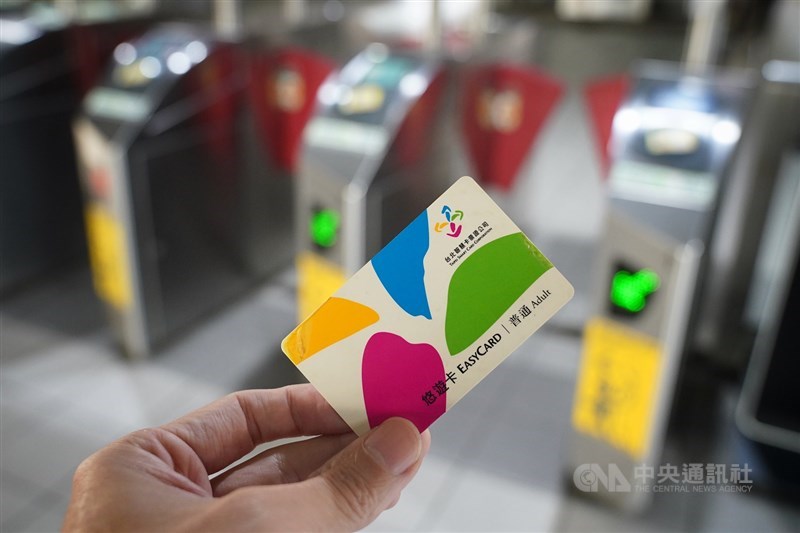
x=396 y=376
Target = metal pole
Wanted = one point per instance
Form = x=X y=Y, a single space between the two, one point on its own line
x=68 y=7
x=708 y=21
x=481 y=23
x=294 y=11
x=435 y=29
x=228 y=20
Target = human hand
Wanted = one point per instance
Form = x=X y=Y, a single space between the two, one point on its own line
x=158 y=479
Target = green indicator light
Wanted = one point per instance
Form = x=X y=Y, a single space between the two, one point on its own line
x=323 y=227
x=630 y=291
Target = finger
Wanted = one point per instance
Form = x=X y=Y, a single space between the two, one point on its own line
x=367 y=477
x=231 y=427
x=289 y=463
x=349 y=492
x=426 y=445
x=425 y=436
x=352 y=488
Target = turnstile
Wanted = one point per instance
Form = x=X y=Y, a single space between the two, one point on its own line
x=45 y=62
x=672 y=141
x=364 y=167
x=179 y=217
x=768 y=413
x=40 y=198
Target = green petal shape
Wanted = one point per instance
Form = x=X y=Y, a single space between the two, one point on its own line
x=486 y=284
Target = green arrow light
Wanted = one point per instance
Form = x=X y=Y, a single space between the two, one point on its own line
x=324 y=226
x=630 y=291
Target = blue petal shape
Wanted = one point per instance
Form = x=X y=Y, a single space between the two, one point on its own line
x=400 y=269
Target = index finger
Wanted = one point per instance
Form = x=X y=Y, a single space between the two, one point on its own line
x=231 y=427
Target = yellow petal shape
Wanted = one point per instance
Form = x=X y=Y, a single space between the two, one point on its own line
x=335 y=320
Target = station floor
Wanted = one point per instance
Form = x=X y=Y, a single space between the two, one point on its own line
x=496 y=462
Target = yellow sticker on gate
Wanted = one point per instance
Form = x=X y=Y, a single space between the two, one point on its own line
x=616 y=390
x=317 y=280
x=107 y=256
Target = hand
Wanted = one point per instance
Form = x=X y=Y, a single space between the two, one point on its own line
x=158 y=479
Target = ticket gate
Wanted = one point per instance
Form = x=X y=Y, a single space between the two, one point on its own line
x=672 y=141
x=39 y=194
x=365 y=167
x=177 y=220
x=767 y=412
x=45 y=62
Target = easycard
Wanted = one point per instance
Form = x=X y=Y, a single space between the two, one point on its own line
x=436 y=310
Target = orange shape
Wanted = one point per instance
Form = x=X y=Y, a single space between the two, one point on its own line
x=335 y=320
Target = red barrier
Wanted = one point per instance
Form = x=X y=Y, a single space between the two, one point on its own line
x=503 y=109
x=603 y=98
x=91 y=45
x=283 y=94
x=213 y=78
x=414 y=135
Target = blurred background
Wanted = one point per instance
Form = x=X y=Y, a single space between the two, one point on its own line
x=182 y=182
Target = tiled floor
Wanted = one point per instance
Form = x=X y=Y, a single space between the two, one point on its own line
x=66 y=399
x=71 y=393
x=495 y=463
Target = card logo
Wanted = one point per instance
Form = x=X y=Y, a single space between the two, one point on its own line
x=450 y=226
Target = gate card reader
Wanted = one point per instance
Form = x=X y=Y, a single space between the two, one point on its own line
x=632 y=349
x=361 y=172
x=672 y=140
x=436 y=310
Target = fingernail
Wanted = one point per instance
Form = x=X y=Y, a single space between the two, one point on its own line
x=395 y=445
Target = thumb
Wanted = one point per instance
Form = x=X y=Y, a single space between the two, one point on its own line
x=366 y=478
x=346 y=494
